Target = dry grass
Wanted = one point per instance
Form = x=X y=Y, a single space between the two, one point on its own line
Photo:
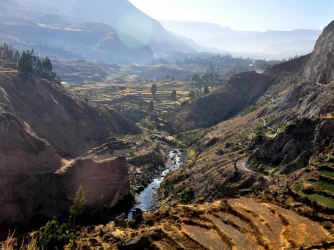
x=11 y=243
x=213 y=226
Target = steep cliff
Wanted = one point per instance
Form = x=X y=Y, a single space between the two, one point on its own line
x=70 y=125
x=23 y=152
x=27 y=200
x=43 y=133
x=321 y=64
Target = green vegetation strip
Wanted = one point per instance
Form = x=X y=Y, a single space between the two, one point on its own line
x=327 y=173
x=328 y=202
x=325 y=185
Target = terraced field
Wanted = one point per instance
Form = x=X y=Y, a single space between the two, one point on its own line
x=317 y=188
x=129 y=94
x=9 y=69
x=235 y=224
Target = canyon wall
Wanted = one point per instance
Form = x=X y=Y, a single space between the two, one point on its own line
x=29 y=199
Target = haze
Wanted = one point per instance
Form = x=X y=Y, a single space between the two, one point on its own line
x=244 y=14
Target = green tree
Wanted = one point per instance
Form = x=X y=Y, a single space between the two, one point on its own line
x=16 y=57
x=151 y=107
x=192 y=94
x=53 y=235
x=25 y=63
x=167 y=77
x=206 y=90
x=196 y=78
x=47 y=66
x=77 y=208
x=173 y=94
x=154 y=88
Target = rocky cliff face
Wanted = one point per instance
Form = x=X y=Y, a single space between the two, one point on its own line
x=321 y=64
x=293 y=148
x=28 y=199
x=23 y=152
x=40 y=124
x=70 y=125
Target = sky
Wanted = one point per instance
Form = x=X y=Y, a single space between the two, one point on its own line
x=259 y=15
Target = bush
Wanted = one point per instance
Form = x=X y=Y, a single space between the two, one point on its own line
x=53 y=235
x=327 y=225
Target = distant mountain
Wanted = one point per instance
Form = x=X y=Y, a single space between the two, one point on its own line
x=202 y=31
x=121 y=15
x=198 y=47
x=88 y=40
x=281 y=43
x=54 y=20
x=126 y=18
x=260 y=42
x=46 y=6
x=12 y=8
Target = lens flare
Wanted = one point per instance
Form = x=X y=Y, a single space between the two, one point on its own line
x=134 y=29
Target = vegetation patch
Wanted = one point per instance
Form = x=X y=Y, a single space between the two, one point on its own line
x=327 y=173
x=325 y=185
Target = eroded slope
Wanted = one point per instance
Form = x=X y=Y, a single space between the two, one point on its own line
x=234 y=224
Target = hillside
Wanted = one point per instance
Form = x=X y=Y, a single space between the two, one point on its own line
x=278 y=149
x=59 y=117
x=235 y=224
x=126 y=18
x=13 y=9
x=119 y=14
x=87 y=40
x=44 y=131
x=240 y=92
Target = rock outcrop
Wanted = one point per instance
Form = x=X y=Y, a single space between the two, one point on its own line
x=321 y=64
x=44 y=130
x=29 y=199
x=292 y=148
x=23 y=152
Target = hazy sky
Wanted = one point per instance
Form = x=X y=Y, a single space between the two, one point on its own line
x=244 y=14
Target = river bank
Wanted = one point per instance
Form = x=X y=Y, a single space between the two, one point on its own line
x=147 y=199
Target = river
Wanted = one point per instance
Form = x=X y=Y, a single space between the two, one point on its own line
x=145 y=199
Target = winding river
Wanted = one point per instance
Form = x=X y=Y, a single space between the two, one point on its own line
x=145 y=199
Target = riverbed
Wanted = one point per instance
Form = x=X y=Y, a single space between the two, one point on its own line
x=145 y=199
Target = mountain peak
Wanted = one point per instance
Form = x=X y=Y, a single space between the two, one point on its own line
x=321 y=64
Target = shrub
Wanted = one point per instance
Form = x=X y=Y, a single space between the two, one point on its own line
x=53 y=235
x=327 y=225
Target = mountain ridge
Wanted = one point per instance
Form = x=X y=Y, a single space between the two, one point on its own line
x=234 y=41
x=135 y=23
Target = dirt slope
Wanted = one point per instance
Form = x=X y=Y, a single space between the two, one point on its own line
x=234 y=224
x=240 y=92
x=48 y=111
